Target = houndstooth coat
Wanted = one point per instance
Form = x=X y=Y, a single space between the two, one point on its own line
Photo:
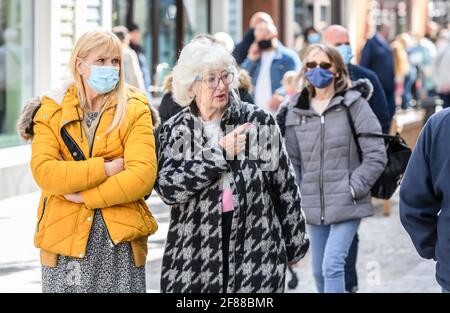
x=268 y=227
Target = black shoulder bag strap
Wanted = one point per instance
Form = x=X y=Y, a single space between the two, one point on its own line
x=354 y=133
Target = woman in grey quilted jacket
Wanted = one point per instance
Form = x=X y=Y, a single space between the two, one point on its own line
x=334 y=184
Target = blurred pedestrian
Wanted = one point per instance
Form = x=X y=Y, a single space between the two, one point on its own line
x=94 y=158
x=377 y=56
x=267 y=61
x=338 y=36
x=168 y=107
x=290 y=84
x=440 y=69
x=310 y=37
x=240 y=52
x=131 y=67
x=242 y=222
x=334 y=184
x=135 y=44
x=2 y=82
x=402 y=69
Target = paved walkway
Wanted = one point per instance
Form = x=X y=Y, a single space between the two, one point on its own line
x=387 y=260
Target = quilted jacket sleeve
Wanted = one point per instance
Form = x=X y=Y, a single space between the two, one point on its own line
x=373 y=149
x=54 y=175
x=140 y=168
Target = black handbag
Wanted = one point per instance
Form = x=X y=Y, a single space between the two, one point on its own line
x=398 y=154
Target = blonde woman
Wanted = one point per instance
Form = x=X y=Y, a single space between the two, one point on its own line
x=93 y=156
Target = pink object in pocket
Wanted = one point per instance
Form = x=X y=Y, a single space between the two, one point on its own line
x=227 y=200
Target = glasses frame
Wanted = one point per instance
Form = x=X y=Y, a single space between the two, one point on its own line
x=322 y=65
x=222 y=77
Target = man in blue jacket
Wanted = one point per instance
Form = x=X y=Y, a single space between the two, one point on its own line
x=241 y=49
x=267 y=62
x=337 y=36
x=425 y=195
x=377 y=56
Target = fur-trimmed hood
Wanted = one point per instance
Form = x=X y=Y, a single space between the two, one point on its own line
x=359 y=88
x=25 y=123
x=364 y=87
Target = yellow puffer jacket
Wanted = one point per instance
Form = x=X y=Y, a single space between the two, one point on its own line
x=63 y=227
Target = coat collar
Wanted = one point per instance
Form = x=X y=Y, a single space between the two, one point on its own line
x=302 y=102
x=361 y=88
x=279 y=51
x=71 y=109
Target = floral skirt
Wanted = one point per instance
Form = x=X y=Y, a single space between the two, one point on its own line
x=106 y=268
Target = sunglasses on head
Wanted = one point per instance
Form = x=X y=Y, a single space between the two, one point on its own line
x=314 y=64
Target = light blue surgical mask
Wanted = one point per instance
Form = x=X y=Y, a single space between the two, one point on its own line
x=314 y=38
x=103 y=79
x=346 y=52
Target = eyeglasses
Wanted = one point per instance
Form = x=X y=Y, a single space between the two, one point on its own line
x=314 y=64
x=212 y=81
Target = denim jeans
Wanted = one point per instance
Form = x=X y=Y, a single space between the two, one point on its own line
x=330 y=245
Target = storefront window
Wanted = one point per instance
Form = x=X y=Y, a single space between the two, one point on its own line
x=157 y=21
x=303 y=14
x=16 y=65
x=195 y=18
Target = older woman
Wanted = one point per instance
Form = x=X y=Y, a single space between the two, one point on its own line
x=93 y=156
x=235 y=222
x=334 y=183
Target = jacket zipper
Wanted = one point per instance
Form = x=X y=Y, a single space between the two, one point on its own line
x=322 y=144
x=42 y=215
x=73 y=141
x=90 y=156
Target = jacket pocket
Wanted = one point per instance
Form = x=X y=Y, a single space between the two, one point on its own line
x=42 y=214
x=353 y=194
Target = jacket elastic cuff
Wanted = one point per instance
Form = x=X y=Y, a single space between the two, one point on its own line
x=96 y=172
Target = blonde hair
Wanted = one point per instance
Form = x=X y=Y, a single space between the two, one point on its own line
x=167 y=83
x=94 y=41
x=341 y=83
x=401 y=60
x=290 y=78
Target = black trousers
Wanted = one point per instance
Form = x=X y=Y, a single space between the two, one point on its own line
x=351 y=277
x=227 y=219
x=2 y=110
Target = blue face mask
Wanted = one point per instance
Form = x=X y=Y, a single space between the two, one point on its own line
x=314 y=38
x=319 y=77
x=346 y=52
x=103 y=79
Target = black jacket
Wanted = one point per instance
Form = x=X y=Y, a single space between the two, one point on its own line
x=241 y=50
x=377 y=100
